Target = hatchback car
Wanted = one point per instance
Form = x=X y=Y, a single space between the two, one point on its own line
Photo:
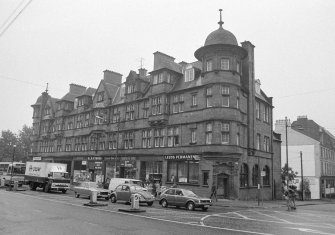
x=86 y=188
x=183 y=198
x=123 y=192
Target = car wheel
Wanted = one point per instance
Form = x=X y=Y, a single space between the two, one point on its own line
x=106 y=198
x=150 y=203
x=164 y=203
x=76 y=195
x=205 y=208
x=190 y=206
x=113 y=199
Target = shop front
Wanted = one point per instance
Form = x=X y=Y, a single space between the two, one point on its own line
x=182 y=169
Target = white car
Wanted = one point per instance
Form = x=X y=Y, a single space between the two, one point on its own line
x=86 y=188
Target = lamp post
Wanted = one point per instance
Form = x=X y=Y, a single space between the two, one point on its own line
x=286 y=150
x=117 y=141
x=12 y=168
x=302 y=178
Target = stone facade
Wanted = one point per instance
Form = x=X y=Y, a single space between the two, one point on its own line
x=195 y=124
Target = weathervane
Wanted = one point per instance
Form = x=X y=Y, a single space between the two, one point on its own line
x=220 y=22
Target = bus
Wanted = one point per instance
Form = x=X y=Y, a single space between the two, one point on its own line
x=7 y=177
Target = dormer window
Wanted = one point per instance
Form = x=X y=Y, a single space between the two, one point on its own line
x=100 y=96
x=209 y=65
x=189 y=74
x=225 y=64
x=47 y=111
x=81 y=101
x=130 y=89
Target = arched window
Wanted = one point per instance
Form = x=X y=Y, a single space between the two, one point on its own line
x=255 y=175
x=244 y=172
x=266 y=178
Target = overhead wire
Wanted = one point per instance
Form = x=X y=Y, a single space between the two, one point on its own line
x=11 y=15
x=13 y=20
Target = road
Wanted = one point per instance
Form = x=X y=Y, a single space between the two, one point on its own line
x=36 y=212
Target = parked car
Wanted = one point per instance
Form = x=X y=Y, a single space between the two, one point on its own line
x=86 y=188
x=123 y=192
x=183 y=198
x=114 y=182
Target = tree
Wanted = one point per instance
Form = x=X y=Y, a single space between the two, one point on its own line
x=22 y=142
x=7 y=140
x=288 y=172
x=25 y=142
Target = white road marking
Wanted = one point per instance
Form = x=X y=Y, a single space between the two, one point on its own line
x=274 y=217
x=244 y=217
x=307 y=230
x=146 y=217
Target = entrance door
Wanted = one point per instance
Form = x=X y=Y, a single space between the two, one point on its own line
x=222 y=186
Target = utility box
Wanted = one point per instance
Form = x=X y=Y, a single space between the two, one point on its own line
x=135 y=201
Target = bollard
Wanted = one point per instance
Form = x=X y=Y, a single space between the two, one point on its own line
x=16 y=185
x=93 y=197
x=135 y=201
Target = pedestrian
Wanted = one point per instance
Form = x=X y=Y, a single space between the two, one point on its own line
x=213 y=192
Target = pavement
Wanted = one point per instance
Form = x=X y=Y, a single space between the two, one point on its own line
x=268 y=204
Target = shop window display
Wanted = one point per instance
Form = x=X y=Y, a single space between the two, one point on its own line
x=183 y=172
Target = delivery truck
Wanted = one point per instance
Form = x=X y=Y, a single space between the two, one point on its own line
x=47 y=175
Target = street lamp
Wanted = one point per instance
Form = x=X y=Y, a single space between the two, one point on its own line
x=11 y=172
x=117 y=144
x=287 y=175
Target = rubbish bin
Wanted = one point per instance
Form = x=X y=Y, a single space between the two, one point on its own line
x=93 y=197
x=135 y=201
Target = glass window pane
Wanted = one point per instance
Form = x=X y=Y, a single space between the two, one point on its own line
x=182 y=172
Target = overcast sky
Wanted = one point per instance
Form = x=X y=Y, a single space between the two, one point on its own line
x=61 y=42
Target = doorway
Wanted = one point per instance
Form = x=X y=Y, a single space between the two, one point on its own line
x=222 y=186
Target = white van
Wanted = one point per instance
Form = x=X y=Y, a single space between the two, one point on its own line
x=114 y=182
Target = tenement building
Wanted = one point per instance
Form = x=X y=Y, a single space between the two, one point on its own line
x=196 y=124
x=310 y=153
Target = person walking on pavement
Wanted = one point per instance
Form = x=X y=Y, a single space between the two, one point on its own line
x=213 y=192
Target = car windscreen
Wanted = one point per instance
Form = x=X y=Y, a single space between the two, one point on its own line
x=137 y=188
x=92 y=184
x=60 y=175
x=189 y=193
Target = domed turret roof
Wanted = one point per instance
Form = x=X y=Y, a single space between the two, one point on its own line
x=221 y=36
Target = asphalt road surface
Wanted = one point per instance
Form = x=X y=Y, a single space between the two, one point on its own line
x=36 y=212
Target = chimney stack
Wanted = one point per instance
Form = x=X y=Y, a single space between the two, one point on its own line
x=112 y=77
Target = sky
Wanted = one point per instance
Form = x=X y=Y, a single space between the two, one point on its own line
x=62 y=42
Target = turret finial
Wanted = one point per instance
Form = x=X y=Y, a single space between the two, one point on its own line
x=220 y=22
x=46 y=90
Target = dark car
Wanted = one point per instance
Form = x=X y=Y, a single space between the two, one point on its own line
x=123 y=192
x=183 y=198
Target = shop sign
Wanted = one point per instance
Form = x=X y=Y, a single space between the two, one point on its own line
x=84 y=163
x=37 y=158
x=94 y=158
x=182 y=157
